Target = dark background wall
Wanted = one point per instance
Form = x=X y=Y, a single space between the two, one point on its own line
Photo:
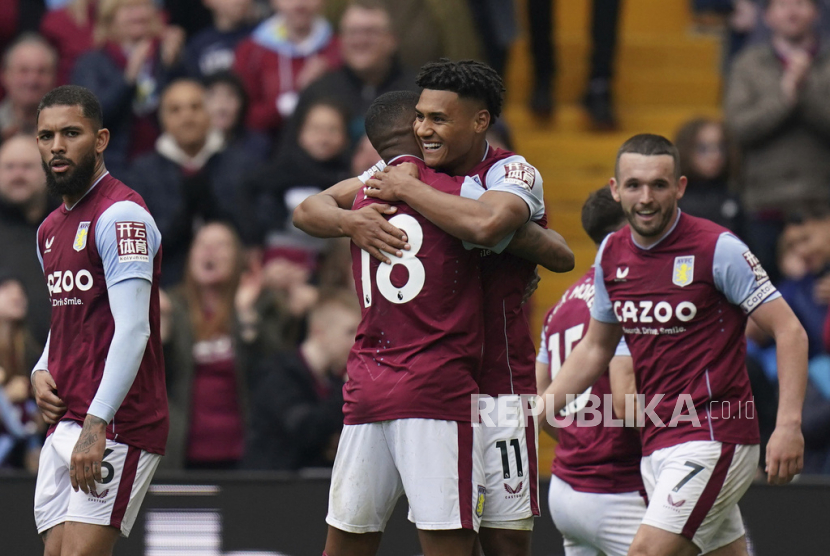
x=268 y=515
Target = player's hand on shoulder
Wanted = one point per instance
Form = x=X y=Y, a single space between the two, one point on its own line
x=46 y=396
x=387 y=185
x=785 y=454
x=88 y=454
x=370 y=231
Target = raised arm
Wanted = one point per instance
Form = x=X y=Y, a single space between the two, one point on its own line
x=329 y=214
x=485 y=222
x=785 y=450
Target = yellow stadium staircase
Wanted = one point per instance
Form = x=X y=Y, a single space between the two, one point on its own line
x=666 y=74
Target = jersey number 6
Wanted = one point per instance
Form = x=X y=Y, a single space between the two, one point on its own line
x=415 y=281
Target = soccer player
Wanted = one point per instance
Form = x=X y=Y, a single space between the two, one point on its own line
x=597 y=497
x=100 y=382
x=681 y=289
x=411 y=377
x=458 y=103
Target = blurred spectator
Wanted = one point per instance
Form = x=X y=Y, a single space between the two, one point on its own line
x=743 y=17
x=777 y=110
x=282 y=57
x=370 y=63
x=208 y=353
x=705 y=161
x=19 y=16
x=29 y=67
x=496 y=23
x=20 y=423
x=297 y=410
x=426 y=29
x=314 y=156
x=499 y=136
x=364 y=156
x=227 y=103
x=604 y=26
x=191 y=15
x=71 y=30
x=212 y=49
x=191 y=177
x=24 y=204
x=138 y=57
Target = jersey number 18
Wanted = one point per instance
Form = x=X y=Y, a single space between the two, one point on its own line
x=415 y=281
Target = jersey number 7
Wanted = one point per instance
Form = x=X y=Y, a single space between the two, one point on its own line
x=415 y=281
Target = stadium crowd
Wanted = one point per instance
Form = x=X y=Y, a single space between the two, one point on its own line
x=226 y=114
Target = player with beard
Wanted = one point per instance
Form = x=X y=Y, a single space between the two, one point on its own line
x=100 y=382
x=681 y=290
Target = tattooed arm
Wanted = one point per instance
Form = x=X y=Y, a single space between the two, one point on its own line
x=543 y=247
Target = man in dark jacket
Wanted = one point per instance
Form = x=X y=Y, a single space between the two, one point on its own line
x=192 y=176
x=370 y=64
x=297 y=409
x=23 y=206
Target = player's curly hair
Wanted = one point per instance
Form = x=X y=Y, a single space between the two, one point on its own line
x=74 y=95
x=466 y=78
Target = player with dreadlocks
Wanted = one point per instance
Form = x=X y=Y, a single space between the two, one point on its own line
x=459 y=102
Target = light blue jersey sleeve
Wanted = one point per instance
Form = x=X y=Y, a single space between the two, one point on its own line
x=543 y=357
x=515 y=175
x=127 y=239
x=622 y=349
x=738 y=274
x=601 y=310
x=470 y=189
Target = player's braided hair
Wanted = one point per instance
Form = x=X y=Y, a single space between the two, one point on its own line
x=601 y=215
x=466 y=78
x=74 y=95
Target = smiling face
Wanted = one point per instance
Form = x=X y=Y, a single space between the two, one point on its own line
x=70 y=149
x=648 y=190
x=451 y=130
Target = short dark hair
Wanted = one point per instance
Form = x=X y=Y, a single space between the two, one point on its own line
x=74 y=95
x=386 y=114
x=649 y=144
x=601 y=215
x=766 y=3
x=466 y=78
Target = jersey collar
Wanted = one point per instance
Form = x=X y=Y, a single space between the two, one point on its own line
x=69 y=209
x=659 y=241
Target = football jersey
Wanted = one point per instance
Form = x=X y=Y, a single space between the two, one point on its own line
x=107 y=237
x=418 y=347
x=600 y=459
x=683 y=305
x=509 y=351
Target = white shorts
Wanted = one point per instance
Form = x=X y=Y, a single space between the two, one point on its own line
x=694 y=489
x=511 y=469
x=436 y=463
x=126 y=472
x=594 y=524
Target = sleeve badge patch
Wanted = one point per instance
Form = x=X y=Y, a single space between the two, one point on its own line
x=761 y=275
x=521 y=174
x=132 y=242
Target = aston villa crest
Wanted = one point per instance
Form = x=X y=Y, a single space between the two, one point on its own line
x=80 y=236
x=684 y=270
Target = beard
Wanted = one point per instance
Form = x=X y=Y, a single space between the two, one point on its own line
x=73 y=181
x=656 y=228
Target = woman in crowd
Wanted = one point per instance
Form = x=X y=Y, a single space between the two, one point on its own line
x=21 y=426
x=209 y=330
x=227 y=103
x=705 y=161
x=138 y=56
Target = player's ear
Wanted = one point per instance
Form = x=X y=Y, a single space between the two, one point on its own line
x=681 y=187
x=482 y=121
x=102 y=139
x=612 y=183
